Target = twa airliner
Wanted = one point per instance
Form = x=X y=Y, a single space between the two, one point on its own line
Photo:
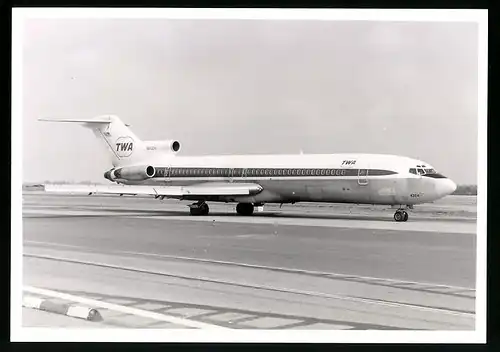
x=153 y=168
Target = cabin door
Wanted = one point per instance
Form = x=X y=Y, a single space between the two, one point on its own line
x=167 y=174
x=244 y=174
x=362 y=177
x=231 y=175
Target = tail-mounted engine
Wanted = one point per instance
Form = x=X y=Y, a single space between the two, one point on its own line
x=130 y=173
x=172 y=146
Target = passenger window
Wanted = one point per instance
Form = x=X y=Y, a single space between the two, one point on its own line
x=322 y=172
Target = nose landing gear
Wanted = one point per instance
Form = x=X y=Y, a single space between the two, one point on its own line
x=400 y=215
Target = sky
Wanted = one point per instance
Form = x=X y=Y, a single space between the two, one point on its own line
x=251 y=87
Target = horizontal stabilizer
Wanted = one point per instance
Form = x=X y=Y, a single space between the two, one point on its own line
x=99 y=121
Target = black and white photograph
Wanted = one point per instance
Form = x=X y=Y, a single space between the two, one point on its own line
x=249 y=175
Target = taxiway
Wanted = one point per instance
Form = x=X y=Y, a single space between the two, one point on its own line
x=298 y=267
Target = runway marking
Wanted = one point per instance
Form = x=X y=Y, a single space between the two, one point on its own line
x=122 y=309
x=273 y=268
x=262 y=287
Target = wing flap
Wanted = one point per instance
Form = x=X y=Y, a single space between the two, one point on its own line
x=229 y=189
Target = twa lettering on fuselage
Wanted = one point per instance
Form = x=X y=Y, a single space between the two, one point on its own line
x=349 y=162
x=124 y=146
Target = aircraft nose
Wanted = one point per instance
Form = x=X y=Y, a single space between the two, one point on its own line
x=446 y=187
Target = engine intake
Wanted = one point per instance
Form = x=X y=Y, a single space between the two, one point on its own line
x=130 y=173
x=172 y=146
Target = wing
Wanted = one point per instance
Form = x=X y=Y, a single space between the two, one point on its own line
x=201 y=189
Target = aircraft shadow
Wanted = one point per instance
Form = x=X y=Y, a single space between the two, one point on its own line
x=266 y=215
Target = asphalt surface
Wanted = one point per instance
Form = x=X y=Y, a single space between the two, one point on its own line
x=268 y=271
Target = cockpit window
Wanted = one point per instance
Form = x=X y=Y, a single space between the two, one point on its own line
x=421 y=171
x=430 y=171
x=413 y=171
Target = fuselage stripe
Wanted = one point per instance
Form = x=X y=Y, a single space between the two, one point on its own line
x=193 y=172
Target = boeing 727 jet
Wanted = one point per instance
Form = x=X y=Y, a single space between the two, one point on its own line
x=154 y=168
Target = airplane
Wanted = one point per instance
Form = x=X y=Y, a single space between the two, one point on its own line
x=154 y=168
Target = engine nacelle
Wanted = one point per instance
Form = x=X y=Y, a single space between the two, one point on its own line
x=172 y=146
x=130 y=173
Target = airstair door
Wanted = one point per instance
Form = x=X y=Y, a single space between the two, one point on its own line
x=363 y=177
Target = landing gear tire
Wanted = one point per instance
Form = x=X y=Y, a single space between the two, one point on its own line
x=245 y=209
x=400 y=216
x=199 y=209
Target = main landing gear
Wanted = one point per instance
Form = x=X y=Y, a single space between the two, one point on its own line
x=200 y=208
x=400 y=215
x=245 y=208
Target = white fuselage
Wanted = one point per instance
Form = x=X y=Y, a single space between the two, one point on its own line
x=335 y=178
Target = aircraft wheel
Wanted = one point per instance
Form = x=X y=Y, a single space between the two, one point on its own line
x=204 y=209
x=405 y=216
x=245 y=208
x=201 y=209
x=398 y=216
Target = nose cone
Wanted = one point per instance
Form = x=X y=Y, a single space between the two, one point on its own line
x=445 y=187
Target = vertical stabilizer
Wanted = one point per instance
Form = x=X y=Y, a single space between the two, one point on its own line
x=124 y=146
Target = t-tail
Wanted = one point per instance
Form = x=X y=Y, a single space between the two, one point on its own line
x=125 y=147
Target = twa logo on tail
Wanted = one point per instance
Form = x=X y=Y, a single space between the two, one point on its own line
x=124 y=146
